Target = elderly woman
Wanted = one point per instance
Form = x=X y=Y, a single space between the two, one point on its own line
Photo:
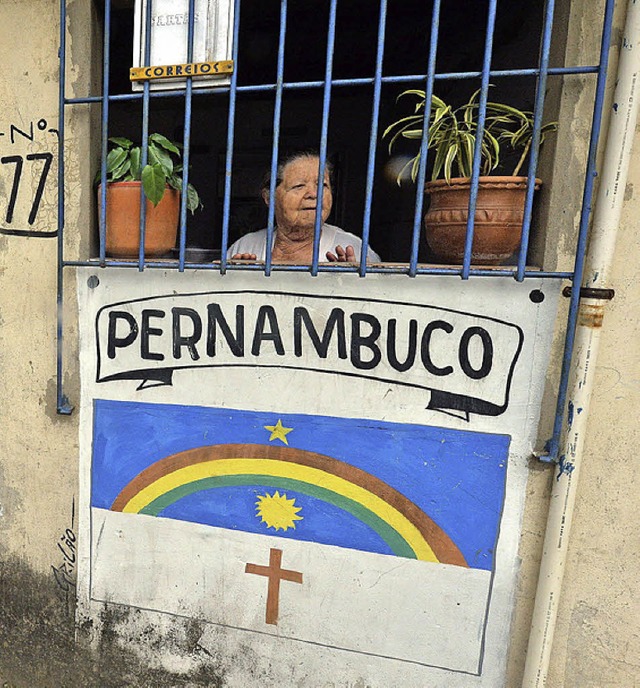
x=295 y=213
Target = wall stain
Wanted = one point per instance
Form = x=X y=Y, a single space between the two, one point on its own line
x=38 y=647
x=10 y=503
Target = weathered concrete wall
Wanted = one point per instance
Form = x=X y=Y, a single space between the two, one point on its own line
x=597 y=641
x=38 y=475
x=33 y=435
x=598 y=637
x=38 y=480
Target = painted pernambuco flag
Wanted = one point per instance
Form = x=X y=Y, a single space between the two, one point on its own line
x=255 y=501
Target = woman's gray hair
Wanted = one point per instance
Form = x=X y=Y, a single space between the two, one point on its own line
x=289 y=158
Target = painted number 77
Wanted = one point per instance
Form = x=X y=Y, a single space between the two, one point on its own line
x=18 y=161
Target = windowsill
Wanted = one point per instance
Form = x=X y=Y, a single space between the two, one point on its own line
x=324 y=265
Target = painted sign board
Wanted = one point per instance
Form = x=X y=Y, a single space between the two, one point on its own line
x=198 y=69
x=330 y=475
x=212 y=41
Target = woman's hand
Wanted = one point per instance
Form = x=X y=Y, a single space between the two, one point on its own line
x=342 y=255
x=243 y=256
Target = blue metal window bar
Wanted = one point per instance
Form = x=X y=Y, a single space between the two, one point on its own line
x=519 y=272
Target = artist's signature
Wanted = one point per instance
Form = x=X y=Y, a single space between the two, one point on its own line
x=65 y=573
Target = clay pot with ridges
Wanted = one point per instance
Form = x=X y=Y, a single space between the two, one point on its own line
x=497 y=222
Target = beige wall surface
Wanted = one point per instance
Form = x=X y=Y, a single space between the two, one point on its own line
x=598 y=637
x=37 y=475
x=597 y=643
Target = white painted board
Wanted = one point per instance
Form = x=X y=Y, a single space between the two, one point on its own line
x=330 y=471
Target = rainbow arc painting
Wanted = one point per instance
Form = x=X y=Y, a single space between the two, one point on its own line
x=402 y=490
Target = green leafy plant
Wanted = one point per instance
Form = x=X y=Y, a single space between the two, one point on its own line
x=164 y=167
x=508 y=132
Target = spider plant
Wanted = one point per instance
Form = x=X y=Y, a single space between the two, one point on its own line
x=164 y=167
x=452 y=135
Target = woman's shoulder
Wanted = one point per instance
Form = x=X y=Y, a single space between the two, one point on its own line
x=252 y=236
x=338 y=235
x=247 y=243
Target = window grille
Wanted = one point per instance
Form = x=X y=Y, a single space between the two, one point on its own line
x=429 y=80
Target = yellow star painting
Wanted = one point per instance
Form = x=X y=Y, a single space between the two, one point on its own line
x=278 y=432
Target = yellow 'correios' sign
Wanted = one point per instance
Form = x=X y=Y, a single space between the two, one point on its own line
x=208 y=69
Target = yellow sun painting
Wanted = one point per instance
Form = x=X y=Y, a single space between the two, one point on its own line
x=277 y=511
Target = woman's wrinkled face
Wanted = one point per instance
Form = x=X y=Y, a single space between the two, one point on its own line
x=297 y=197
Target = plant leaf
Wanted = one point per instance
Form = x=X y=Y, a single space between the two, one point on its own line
x=158 y=156
x=438 y=162
x=412 y=133
x=452 y=134
x=122 y=172
x=402 y=123
x=115 y=158
x=164 y=142
x=501 y=107
x=448 y=163
x=465 y=158
x=121 y=141
x=153 y=182
x=193 y=199
x=438 y=102
x=413 y=92
x=415 y=167
x=175 y=182
x=134 y=157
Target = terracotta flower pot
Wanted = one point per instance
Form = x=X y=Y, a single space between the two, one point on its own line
x=497 y=223
x=123 y=221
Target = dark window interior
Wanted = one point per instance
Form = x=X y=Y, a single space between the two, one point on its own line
x=461 y=45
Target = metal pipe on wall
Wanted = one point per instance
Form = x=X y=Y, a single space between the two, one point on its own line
x=606 y=219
